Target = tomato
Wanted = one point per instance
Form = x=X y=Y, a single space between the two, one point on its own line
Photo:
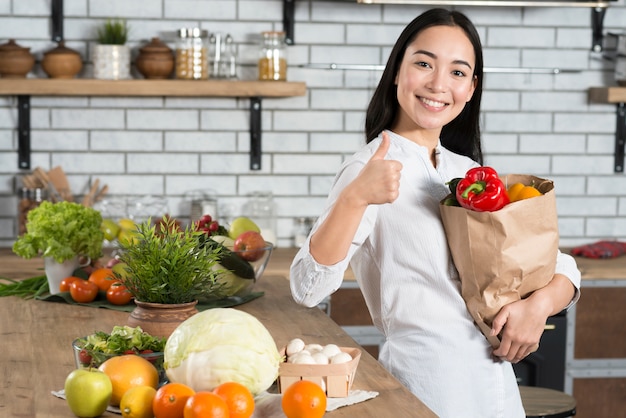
x=65 y=283
x=84 y=357
x=103 y=278
x=118 y=294
x=83 y=291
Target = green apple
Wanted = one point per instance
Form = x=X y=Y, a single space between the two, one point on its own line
x=110 y=229
x=88 y=392
x=227 y=242
x=240 y=225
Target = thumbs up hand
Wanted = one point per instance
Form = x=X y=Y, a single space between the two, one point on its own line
x=379 y=181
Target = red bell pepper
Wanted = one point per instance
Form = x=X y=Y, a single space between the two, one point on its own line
x=482 y=190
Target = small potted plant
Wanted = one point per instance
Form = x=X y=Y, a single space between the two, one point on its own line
x=111 y=58
x=165 y=268
x=61 y=232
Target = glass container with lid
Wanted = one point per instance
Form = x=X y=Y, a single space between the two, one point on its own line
x=273 y=57
x=262 y=210
x=192 y=54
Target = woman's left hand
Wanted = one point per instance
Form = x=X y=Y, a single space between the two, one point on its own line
x=521 y=325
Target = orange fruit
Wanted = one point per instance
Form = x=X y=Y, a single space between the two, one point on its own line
x=128 y=371
x=170 y=399
x=205 y=405
x=103 y=278
x=304 y=399
x=238 y=398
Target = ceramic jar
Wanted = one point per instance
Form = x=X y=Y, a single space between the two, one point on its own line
x=111 y=62
x=15 y=61
x=62 y=62
x=155 y=60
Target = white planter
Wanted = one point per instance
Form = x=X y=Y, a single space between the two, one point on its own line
x=56 y=272
x=111 y=62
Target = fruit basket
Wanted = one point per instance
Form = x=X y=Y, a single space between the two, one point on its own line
x=335 y=379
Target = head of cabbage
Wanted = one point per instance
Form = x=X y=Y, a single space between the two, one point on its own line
x=222 y=345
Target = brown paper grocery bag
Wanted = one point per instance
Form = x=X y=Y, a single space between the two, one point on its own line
x=505 y=255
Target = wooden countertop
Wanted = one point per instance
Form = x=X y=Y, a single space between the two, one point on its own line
x=37 y=356
x=280 y=261
x=607 y=269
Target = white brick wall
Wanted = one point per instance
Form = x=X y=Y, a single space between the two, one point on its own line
x=533 y=123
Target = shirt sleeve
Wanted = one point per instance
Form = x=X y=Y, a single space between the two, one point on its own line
x=566 y=265
x=310 y=281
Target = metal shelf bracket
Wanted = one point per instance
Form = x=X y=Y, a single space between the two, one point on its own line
x=620 y=138
x=23 y=132
x=255 y=133
x=597 y=26
x=57 y=20
x=289 y=20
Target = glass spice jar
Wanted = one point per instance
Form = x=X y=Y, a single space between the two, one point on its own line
x=192 y=54
x=29 y=200
x=273 y=56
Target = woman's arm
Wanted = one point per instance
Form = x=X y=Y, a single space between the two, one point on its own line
x=377 y=183
x=522 y=323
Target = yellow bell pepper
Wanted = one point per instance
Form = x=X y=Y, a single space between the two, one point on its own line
x=520 y=191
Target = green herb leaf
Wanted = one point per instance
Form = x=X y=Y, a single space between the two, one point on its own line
x=169 y=265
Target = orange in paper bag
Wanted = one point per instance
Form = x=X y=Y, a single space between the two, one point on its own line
x=503 y=256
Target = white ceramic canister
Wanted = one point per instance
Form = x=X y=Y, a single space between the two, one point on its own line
x=111 y=62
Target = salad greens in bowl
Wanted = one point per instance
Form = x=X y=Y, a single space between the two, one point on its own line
x=93 y=350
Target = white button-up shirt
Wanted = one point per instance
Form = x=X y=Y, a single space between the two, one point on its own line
x=402 y=264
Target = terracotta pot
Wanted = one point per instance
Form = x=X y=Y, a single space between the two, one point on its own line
x=160 y=319
x=155 y=60
x=62 y=62
x=15 y=61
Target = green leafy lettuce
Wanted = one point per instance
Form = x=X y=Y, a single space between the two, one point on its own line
x=61 y=230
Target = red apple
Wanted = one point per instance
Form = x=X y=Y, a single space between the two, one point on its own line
x=250 y=245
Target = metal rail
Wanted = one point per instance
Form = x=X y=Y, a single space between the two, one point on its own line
x=499 y=3
x=508 y=70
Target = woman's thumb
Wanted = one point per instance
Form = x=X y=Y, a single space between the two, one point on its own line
x=381 y=152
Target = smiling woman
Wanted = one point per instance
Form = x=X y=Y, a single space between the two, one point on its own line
x=383 y=220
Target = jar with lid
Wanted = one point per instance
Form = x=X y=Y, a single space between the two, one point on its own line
x=262 y=210
x=30 y=198
x=273 y=56
x=301 y=231
x=201 y=202
x=192 y=60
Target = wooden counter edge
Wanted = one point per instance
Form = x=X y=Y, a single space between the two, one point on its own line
x=14 y=267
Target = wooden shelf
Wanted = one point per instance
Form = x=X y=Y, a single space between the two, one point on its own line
x=607 y=94
x=23 y=88
x=196 y=88
x=617 y=96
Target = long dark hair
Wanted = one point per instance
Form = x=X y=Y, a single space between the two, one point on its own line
x=461 y=135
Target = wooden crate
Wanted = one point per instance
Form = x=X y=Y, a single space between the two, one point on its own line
x=336 y=379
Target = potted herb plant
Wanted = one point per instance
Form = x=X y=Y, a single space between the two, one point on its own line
x=167 y=270
x=61 y=232
x=111 y=58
